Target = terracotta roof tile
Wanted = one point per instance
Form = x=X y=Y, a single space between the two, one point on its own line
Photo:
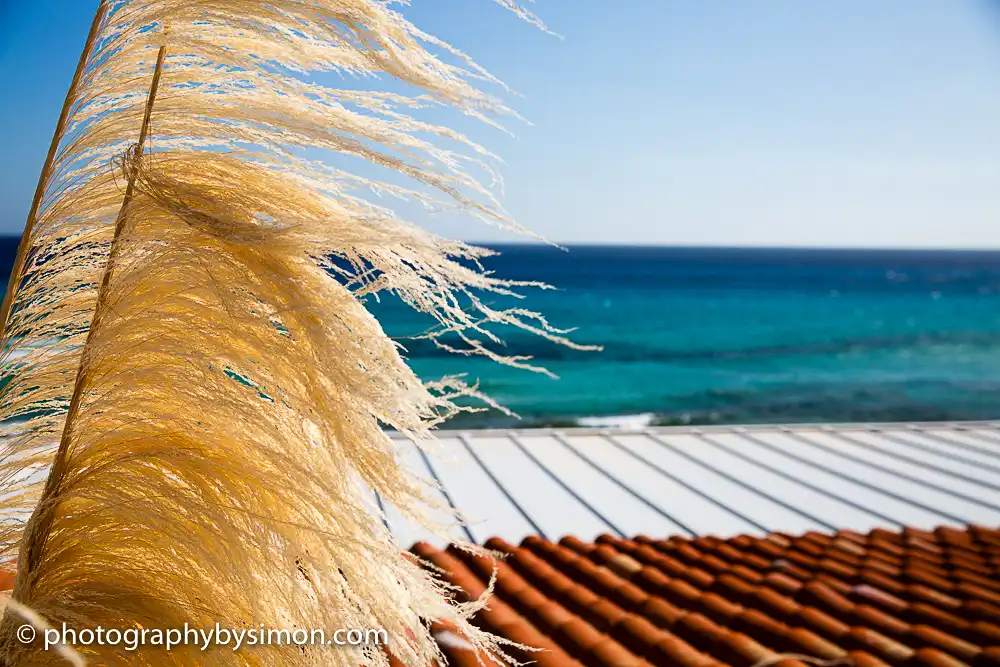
x=719 y=608
x=782 y=583
x=743 y=651
x=604 y=614
x=551 y=653
x=930 y=596
x=822 y=623
x=457 y=655
x=579 y=598
x=809 y=643
x=986 y=634
x=929 y=657
x=699 y=630
x=868 y=616
x=639 y=635
x=761 y=625
x=498 y=615
x=661 y=612
x=983 y=611
x=927 y=598
x=673 y=651
x=867 y=593
x=778 y=605
x=930 y=637
x=733 y=588
x=990 y=657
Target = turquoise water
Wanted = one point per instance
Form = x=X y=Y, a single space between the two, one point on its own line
x=745 y=336
x=738 y=336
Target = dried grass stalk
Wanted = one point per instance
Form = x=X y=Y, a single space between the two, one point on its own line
x=231 y=389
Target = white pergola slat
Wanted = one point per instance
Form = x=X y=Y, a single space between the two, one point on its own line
x=711 y=480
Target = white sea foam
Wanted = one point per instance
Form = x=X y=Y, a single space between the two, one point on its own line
x=630 y=422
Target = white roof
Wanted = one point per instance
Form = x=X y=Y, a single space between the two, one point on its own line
x=712 y=480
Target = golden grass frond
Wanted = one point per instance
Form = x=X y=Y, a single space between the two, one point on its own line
x=231 y=389
x=234 y=399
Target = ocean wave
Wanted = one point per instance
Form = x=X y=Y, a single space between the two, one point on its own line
x=805 y=403
x=627 y=422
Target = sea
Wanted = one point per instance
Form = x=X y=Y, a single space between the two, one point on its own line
x=732 y=336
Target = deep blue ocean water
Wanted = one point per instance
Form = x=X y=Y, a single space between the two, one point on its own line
x=698 y=335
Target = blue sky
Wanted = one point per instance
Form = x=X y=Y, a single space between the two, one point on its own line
x=717 y=122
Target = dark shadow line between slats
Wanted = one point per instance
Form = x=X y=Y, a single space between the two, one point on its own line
x=944 y=437
x=930 y=450
x=493 y=478
x=544 y=468
x=739 y=482
x=698 y=492
x=444 y=492
x=796 y=480
x=854 y=480
x=895 y=473
x=985 y=434
x=625 y=487
x=381 y=509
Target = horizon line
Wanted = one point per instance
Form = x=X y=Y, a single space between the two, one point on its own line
x=704 y=246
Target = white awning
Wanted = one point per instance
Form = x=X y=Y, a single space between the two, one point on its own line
x=712 y=480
